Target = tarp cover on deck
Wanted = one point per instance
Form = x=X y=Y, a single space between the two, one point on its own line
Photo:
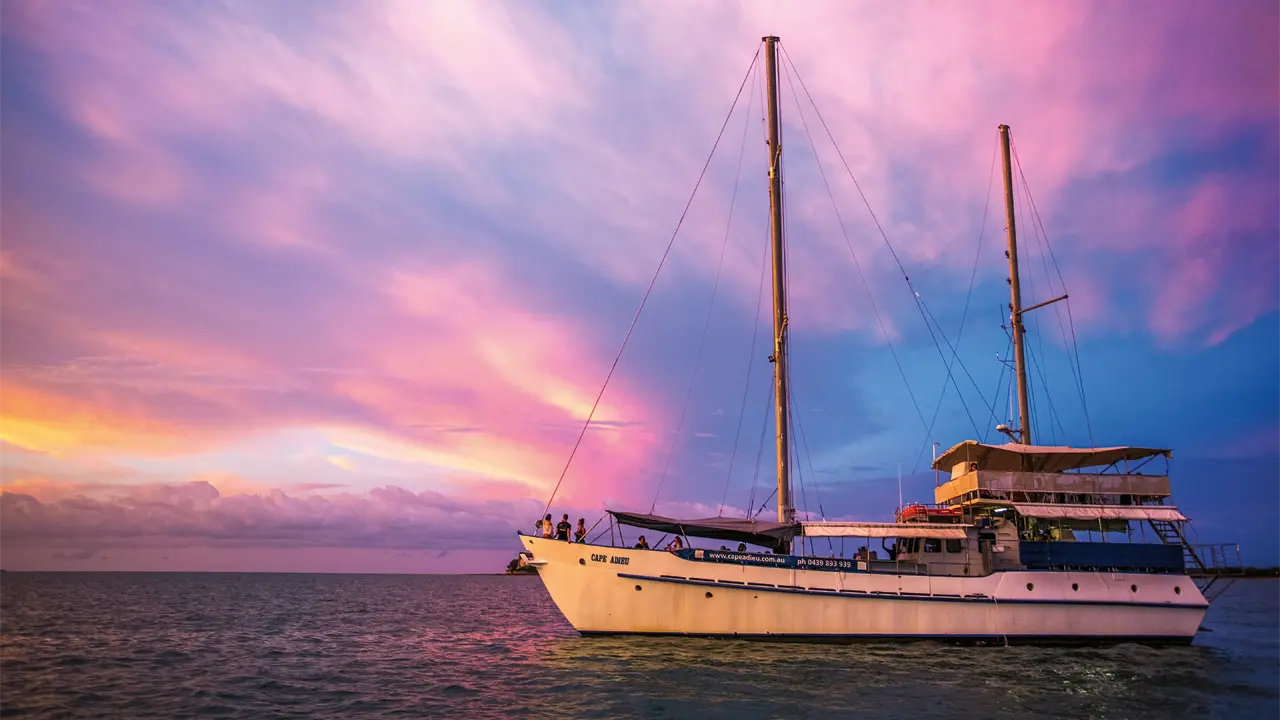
x=1039 y=458
x=756 y=532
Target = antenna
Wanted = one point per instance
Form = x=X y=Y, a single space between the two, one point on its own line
x=899 y=488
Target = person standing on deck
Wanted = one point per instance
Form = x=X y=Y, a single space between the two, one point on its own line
x=562 y=529
x=546 y=527
x=580 y=532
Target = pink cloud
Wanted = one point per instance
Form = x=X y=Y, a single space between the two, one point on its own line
x=197 y=514
x=482 y=363
x=1218 y=282
x=1089 y=92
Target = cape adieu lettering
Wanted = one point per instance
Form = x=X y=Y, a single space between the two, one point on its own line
x=611 y=559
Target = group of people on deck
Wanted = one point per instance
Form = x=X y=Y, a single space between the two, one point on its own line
x=676 y=544
x=560 y=531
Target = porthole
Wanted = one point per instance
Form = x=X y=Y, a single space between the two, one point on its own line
x=1177 y=590
x=1031 y=586
x=708 y=594
x=637 y=588
x=1133 y=588
x=1075 y=587
x=582 y=561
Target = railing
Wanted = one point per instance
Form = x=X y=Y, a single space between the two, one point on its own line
x=928 y=512
x=1218 y=560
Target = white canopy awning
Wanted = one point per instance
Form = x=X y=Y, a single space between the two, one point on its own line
x=1168 y=513
x=943 y=531
x=1039 y=458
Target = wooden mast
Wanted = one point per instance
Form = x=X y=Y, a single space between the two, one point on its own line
x=1015 y=291
x=786 y=513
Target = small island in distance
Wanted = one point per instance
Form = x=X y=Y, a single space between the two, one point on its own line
x=519 y=565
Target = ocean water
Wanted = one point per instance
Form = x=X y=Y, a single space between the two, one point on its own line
x=135 y=645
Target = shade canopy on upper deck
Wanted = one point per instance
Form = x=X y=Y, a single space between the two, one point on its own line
x=1039 y=458
x=1168 y=513
x=757 y=532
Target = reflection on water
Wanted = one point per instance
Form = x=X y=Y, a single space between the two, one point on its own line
x=137 y=645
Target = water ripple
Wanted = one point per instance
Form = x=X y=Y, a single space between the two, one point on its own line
x=317 y=646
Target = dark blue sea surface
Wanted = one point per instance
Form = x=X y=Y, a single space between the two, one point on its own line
x=124 y=645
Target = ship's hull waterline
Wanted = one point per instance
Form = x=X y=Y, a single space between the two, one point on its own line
x=606 y=590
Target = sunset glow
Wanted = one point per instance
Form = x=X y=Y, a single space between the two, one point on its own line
x=344 y=285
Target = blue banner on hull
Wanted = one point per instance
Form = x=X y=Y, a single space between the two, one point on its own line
x=791 y=562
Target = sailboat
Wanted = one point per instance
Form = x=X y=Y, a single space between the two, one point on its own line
x=1004 y=553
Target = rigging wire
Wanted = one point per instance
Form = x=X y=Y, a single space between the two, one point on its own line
x=792 y=412
x=920 y=304
x=932 y=322
x=804 y=496
x=764 y=425
x=751 y=357
x=1013 y=379
x=785 y=329
x=1077 y=369
x=853 y=254
x=706 y=325
x=1039 y=368
x=1042 y=368
x=1035 y=331
x=594 y=406
x=1004 y=365
x=813 y=475
x=763 y=505
x=746 y=389
x=964 y=314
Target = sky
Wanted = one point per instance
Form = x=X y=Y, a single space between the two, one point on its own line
x=334 y=287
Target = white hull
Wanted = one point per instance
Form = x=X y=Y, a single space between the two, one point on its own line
x=614 y=590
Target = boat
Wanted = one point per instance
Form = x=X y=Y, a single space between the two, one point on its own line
x=1020 y=543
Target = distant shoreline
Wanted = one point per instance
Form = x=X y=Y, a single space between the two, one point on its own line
x=249 y=572
x=1252 y=573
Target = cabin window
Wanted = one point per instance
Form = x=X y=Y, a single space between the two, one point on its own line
x=932 y=545
x=954 y=546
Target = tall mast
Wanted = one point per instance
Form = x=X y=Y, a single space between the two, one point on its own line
x=786 y=513
x=1015 y=306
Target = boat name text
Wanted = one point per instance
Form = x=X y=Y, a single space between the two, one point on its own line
x=613 y=560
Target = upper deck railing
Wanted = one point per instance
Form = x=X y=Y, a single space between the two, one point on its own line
x=1003 y=484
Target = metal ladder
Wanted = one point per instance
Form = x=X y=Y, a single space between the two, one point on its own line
x=1171 y=534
